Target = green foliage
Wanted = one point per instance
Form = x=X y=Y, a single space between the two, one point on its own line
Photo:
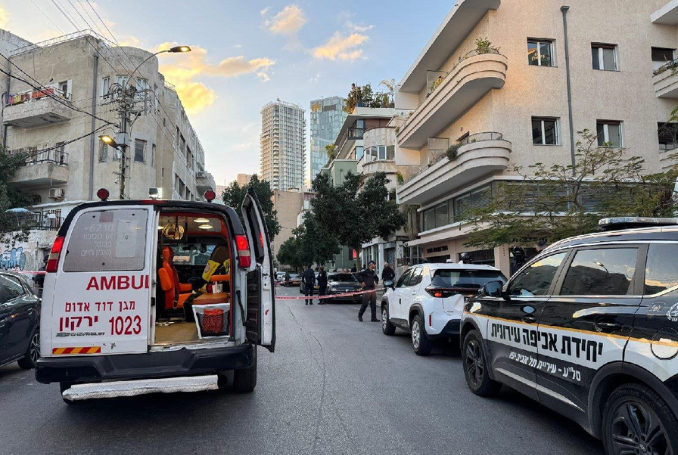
x=452 y=151
x=331 y=152
x=356 y=211
x=234 y=194
x=484 y=46
x=365 y=96
x=559 y=201
x=12 y=196
x=312 y=243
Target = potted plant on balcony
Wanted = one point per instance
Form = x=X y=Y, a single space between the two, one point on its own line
x=453 y=151
x=484 y=46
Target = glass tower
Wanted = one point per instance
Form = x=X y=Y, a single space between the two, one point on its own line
x=327 y=117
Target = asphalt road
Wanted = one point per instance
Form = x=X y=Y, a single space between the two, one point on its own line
x=334 y=385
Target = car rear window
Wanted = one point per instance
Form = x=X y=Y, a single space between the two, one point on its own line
x=342 y=277
x=107 y=240
x=472 y=279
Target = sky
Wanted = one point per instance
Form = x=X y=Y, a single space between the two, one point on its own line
x=248 y=53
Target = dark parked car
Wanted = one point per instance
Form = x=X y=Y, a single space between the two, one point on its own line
x=340 y=283
x=294 y=280
x=19 y=318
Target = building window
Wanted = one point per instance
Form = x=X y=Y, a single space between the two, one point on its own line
x=61 y=153
x=139 y=150
x=668 y=136
x=609 y=133
x=122 y=80
x=604 y=57
x=105 y=86
x=662 y=56
x=153 y=155
x=103 y=152
x=475 y=199
x=540 y=53
x=545 y=131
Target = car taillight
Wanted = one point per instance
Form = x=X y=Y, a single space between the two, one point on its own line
x=440 y=293
x=53 y=258
x=244 y=255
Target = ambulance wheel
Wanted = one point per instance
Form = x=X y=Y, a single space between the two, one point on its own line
x=245 y=380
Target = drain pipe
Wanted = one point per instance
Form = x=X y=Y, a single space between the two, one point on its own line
x=564 y=10
x=93 y=139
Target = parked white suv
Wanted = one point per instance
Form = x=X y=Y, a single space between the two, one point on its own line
x=428 y=300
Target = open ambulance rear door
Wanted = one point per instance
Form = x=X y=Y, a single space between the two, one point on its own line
x=98 y=285
x=260 y=318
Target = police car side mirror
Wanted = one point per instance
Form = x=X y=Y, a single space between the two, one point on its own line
x=492 y=289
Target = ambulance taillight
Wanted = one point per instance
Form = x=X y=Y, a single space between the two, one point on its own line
x=244 y=255
x=53 y=258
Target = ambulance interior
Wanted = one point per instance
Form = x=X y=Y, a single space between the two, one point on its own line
x=193 y=292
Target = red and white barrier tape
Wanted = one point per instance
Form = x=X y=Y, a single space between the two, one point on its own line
x=29 y=272
x=332 y=296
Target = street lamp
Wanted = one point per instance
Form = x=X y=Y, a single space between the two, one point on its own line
x=171 y=50
x=108 y=140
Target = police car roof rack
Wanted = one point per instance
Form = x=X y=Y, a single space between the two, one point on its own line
x=630 y=222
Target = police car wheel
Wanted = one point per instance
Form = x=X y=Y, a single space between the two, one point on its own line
x=386 y=326
x=420 y=342
x=475 y=366
x=637 y=420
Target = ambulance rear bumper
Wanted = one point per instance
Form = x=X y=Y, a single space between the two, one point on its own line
x=184 y=362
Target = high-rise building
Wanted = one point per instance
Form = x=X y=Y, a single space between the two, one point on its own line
x=243 y=179
x=327 y=117
x=283 y=145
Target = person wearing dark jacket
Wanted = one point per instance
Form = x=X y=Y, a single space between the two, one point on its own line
x=387 y=274
x=369 y=279
x=322 y=284
x=309 y=284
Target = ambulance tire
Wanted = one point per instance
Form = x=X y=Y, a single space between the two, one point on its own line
x=632 y=403
x=245 y=380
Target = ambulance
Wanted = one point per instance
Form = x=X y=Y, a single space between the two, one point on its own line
x=145 y=296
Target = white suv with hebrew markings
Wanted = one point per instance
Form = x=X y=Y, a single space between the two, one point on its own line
x=588 y=328
x=428 y=300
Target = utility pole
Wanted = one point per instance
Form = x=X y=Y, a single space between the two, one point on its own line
x=131 y=104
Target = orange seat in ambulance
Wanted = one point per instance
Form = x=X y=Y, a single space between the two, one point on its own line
x=176 y=293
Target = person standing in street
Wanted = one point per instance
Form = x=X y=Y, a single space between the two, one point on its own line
x=387 y=274
x=309 y=284
x=322 y=284
x=369 y=279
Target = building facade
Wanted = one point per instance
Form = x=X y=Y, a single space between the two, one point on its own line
x=493 y=81
x=289 y=205
x=243 y=179
x=58 y=102
x=326 y=118
x=283 y=145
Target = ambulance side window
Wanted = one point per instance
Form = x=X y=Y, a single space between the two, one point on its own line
x=107 y=240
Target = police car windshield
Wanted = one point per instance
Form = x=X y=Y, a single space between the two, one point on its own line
x=473 y=279
x=342 y=277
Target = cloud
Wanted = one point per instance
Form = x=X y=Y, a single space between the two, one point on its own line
x=315 y=78
x=182 y=70
x=358 y=28
x=264 y=11
x=237 y=46
x=287 y=22
x=340 y=47
x=4 y=17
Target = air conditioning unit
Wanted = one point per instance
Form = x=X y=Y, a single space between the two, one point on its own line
x=56 y=193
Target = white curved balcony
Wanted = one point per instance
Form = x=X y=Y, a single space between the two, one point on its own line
x=480 y=155
x=470 y=80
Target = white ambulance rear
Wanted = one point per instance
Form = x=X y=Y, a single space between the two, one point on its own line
x=141 y=295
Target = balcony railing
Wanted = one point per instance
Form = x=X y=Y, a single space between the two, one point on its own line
x=467 y=83
x=474 y=157
x=42 y=221
x=48 y=156
x=665 y=80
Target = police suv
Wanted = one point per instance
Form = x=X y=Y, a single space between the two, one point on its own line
x=156 y=295
x=589 y=328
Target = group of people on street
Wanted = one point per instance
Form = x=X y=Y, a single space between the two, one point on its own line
x=368 y=277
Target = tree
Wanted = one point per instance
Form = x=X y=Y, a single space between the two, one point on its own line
x=234 y=194
x=311 y=243
x=556 y=202
x=11 y=197
x=366 y=97
x=356 y=211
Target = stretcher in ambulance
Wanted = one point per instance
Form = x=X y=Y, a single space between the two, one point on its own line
x=156 y=295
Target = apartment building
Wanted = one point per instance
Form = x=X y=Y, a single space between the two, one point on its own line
x=326 y=119
x=58 y=102
x=283 y=145
x=289 y=205
x=493 y=80
x=243 y=179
